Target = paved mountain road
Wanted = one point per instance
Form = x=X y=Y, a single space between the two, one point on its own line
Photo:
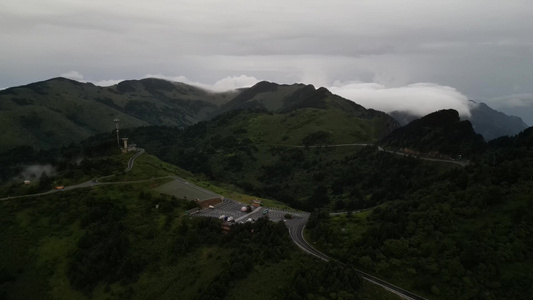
x=296 y=229
x=461 y=163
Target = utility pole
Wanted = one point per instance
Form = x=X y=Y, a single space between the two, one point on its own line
x=116 y=126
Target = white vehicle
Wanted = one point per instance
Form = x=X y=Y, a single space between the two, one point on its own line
x=230 y=219
x=221 y=217
x=249 y=220
x=211 y=207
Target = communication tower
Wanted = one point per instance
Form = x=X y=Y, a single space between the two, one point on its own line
x=116 y=126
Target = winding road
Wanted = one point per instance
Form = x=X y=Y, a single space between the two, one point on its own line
x=296 y=229
x=132 y=159
x=461 y=163
x=90 y=183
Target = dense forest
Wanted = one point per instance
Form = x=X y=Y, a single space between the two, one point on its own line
x=115 y=243
x=461 y=233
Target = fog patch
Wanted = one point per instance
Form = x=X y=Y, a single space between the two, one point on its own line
x=78 y=159
x=35 y=171
x=418 y=99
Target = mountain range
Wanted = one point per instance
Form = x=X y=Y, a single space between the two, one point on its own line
x=59 y=111
x=436 y=226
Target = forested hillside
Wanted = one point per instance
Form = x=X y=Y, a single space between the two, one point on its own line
x=458 y=233
x=268 y=154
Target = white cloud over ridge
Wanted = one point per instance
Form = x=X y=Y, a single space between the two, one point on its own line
x=74 y=75
x=419 y=99
x=77 y=76
x=225 y=84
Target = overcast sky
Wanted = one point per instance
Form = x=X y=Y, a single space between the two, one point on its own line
x=416 y=55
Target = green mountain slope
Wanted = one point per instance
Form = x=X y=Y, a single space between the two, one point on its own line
x=262 y=151
x=264 y=94
x=288 y=98
x=53 y=113
x=58 y=111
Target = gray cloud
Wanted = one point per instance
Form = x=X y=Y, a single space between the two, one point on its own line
x=511 y=101
x=482 y=48
x=516 y=104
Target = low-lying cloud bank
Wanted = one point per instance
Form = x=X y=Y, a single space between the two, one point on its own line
x=225 y=84
x=419 y=99
x=75 y=75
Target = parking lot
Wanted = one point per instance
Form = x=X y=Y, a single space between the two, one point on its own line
x=185 y=190
x=232 y=208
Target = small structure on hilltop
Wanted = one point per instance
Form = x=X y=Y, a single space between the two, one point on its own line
x=27 y=181
x=257 y=203
x=128 y=148
x=125 y=148
x=226 y=227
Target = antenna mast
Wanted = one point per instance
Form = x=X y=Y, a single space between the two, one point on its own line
x=116 y=126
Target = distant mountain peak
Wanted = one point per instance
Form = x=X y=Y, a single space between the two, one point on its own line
x=486 y=121
x=441 y=132
x=492 y=123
